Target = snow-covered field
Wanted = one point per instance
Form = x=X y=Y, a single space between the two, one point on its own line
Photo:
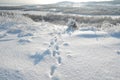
x=43 y=51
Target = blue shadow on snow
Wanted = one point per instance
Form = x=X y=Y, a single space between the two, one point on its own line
x=37 y=57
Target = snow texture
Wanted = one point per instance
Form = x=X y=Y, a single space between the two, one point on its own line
x=48 y=52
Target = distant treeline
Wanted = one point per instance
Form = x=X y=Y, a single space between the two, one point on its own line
x=11 y=8
x=87 y=9
x=63 y=19
x=97 y=21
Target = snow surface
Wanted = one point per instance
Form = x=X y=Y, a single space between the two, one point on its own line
x=44 y=51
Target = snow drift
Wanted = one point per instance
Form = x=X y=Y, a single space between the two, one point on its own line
x=43 y=51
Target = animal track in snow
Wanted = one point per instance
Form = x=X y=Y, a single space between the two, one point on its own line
x=52 y=70
x=66 y=44
x=55 y=78
x=59 y=59
x=54 y=47
x=118 y=52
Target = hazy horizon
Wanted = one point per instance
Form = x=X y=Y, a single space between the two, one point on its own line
x=43 y=1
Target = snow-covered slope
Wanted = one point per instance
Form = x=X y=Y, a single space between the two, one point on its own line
x=44 y=51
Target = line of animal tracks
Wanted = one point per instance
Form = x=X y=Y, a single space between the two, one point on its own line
x=54 y=48
x=54 y=52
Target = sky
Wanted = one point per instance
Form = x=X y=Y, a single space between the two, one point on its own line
x=43 y=1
